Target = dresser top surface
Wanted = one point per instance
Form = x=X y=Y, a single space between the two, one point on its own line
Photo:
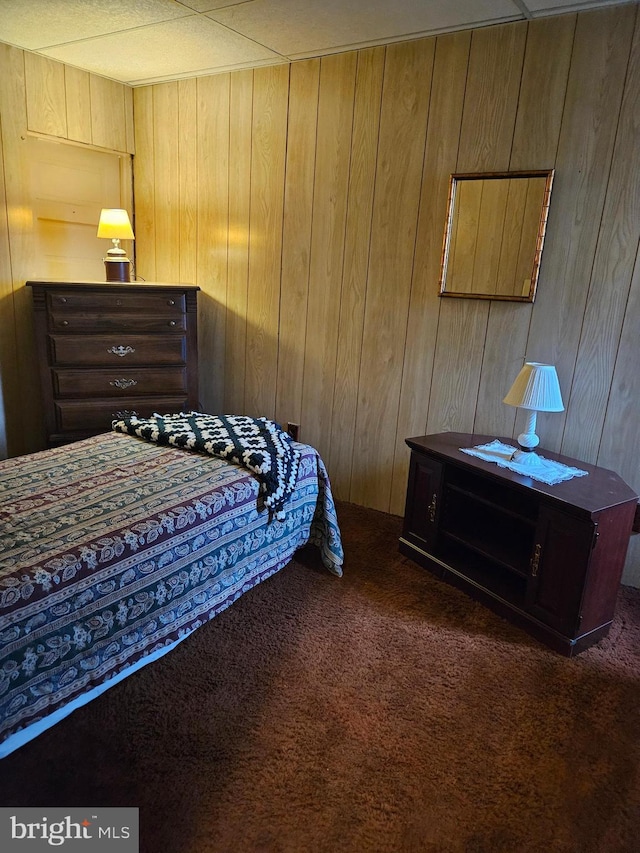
x=599 y=490
x=112 y=285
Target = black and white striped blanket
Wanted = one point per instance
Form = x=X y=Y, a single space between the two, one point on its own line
x=258 y=444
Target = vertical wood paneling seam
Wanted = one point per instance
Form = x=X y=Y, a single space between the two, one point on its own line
x=567 y=399
x=413 y=269
x=9 y=242
x=595 y=255
x=513 y=135
x=196 y=219
x=282 y=235
x=133 y=182
x=615 y=361
x=134 y=256
x=91 y=112
x=555 y=159
x=344 y=240
x=566 y=88
x=3 y=169
x=180 y=197
x=249 y=243
x=312 y=202
x=171 y=166
x=464 y=97
x=224 y=324
x=515 y=123
x=64 y=90
x=366 y=284
x=15 y=237
x=297 y=244
x=484 y=352
x=155 y=177
x=633 y=271
x=435 y=341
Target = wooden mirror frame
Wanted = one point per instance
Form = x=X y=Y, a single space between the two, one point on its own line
x=526 y=249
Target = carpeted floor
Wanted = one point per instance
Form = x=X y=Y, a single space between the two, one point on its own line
x=384 y=711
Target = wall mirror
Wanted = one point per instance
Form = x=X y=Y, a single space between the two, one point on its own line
x=494 y=234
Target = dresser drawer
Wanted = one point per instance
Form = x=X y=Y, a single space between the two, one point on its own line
x=96 y=415
x=87 y=321
x=113 y=301
x=120 y=383
x=122 y=350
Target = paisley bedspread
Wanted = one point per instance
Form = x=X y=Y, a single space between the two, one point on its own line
x=112 y=547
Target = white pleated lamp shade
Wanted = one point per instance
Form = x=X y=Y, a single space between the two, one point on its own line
x=536 y=387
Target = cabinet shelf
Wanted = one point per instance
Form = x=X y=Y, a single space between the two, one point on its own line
x=503 y=510
x=489 y=575
x=486 y=527
x=490 y=553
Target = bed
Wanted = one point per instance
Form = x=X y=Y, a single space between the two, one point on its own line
x=115 y=548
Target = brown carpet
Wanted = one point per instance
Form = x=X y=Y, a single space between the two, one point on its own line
x=384 y=711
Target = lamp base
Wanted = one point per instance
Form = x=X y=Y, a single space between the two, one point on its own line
x=526 y=458
x=117 y=270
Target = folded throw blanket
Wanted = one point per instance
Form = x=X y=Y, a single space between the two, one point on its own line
x=258 y=444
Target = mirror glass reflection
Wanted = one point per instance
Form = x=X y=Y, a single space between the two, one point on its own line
x=494 y=235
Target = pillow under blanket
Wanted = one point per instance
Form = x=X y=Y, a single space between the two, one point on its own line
x=258 y=444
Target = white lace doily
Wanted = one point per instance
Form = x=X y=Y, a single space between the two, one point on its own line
x=548 y=471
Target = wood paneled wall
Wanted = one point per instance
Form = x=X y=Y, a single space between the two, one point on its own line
x=39 y=96
x=308 y=202
x=78 y=106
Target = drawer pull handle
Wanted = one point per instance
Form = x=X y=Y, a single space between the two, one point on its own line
x=172 y=322
x=123 y=384
x=121 y=351
x=171 y=301
x=65 y=322
x=63 y=299
x=535 y=560
x=432 y=508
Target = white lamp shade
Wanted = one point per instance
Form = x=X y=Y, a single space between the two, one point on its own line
x=536 y=387
x=115 y=225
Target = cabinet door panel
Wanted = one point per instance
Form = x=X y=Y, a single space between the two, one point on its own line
x=558 y=569
x=423 y=499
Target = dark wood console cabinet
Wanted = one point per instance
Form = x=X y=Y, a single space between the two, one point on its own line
x=548 y=558
x=106 y=349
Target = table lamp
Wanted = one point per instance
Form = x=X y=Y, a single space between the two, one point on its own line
x=114 y=225
x=536 y=389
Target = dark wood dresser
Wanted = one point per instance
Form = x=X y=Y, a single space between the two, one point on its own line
x=548 y=558
x=109 y=349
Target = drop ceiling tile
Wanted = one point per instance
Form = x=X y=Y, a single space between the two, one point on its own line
x=295 y=27
x=189 y=45
x=140 y=41
x=33 y=24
